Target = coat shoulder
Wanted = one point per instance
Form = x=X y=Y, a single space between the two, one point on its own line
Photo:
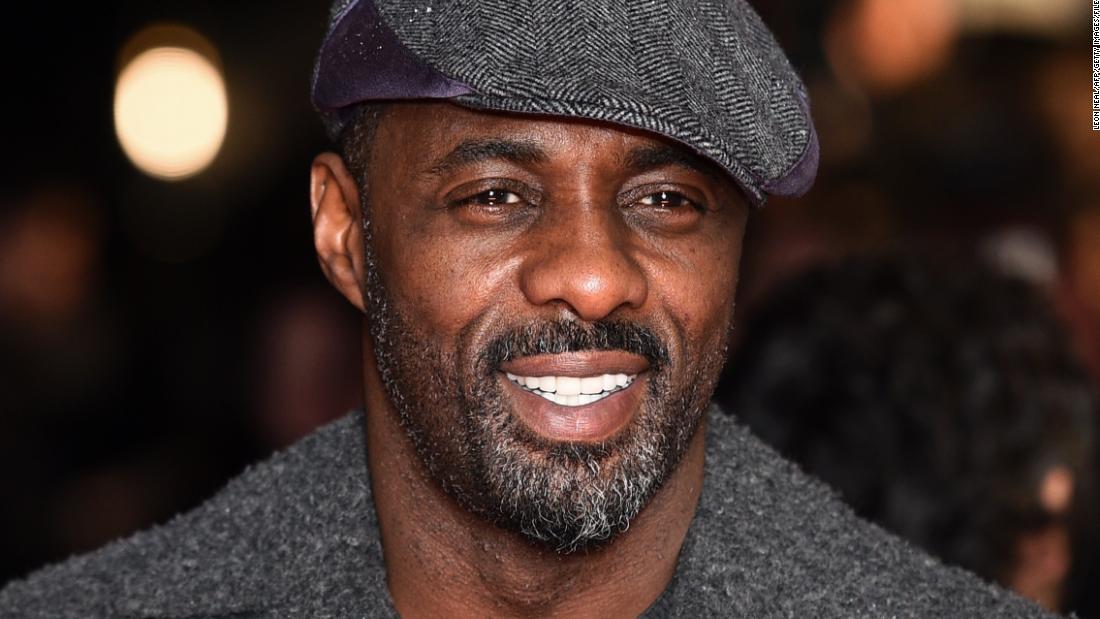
x=771 y=541
x=240 y=552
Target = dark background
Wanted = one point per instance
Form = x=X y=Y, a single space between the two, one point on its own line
x=134 y=364
x=155 y=337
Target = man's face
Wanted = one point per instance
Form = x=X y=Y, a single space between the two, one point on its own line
x=549 y=303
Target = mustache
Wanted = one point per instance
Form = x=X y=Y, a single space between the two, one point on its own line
x=564 y=336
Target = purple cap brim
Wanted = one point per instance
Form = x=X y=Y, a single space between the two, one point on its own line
x=800 y=178
x=363 y=60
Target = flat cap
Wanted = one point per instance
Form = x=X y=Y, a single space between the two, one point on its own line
x=706 y=73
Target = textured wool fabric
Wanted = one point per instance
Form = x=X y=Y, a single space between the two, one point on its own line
x=707 y=73
x=297 y=537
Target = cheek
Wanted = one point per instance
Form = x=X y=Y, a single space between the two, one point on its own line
x=442 y=285
x=698 y=286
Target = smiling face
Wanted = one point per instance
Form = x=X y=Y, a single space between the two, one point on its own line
x=549 y=302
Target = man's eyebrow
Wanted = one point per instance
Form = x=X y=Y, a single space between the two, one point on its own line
x=479 y=150
x=647 y=158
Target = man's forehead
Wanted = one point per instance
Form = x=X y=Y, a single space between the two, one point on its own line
x=445 y=118
x=458 y=135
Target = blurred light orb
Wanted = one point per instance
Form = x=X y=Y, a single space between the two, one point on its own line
x=885 y=46
x=171 y=112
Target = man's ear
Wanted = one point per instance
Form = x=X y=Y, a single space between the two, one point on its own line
x=337 y=232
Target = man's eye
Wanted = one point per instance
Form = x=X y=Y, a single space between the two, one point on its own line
x=493 y=197
x=670 y=200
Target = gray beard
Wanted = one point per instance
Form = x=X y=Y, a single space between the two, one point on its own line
x=572 y=497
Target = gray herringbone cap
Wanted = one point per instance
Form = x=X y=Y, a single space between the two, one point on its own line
x=706 y=73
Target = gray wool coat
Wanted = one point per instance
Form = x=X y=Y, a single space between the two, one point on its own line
x=297 y=536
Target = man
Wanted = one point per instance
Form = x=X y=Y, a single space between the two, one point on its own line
x=539 y=209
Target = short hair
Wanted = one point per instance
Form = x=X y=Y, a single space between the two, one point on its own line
x=933 y=398
x=357 y=139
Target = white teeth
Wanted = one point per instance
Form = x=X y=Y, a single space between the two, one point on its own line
x=573 y=390
x=569 y=385
x=548 y=384
x=592 y=384
x=572 y=400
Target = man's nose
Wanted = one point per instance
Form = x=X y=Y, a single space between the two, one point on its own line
x=582 y=262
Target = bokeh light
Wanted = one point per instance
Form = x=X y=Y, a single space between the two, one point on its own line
x=884 y=46
x=171 y=111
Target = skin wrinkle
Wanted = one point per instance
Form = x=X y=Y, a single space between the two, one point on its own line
x=448 y=300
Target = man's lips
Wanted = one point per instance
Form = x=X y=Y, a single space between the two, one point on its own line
x=578 y=364
x=576 y=397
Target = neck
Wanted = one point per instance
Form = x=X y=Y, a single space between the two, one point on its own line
x=442 y=560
